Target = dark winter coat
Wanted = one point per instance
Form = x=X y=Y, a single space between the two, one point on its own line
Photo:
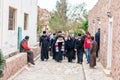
x=97 y=37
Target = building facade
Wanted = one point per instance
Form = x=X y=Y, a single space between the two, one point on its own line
x=106 y=16
x=43 y=19
x=18 y=18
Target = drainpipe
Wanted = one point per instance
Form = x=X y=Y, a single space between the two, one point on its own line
x=93 y=27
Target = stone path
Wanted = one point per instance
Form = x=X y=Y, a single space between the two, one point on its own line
x=51 y=70
x=94 y=74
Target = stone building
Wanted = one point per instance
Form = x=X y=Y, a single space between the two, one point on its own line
x=43 y=19
x=17 y=19
x=106 y=16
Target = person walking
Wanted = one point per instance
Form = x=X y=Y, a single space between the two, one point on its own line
x=2 y=63
x=59 y=47
x=97 y=39
x=87 y=46
x=25 y=48
x=74 y=41
x=93 y=50
x=52 y=43
x=70 y=49
x=44 y=42
x=79 y=46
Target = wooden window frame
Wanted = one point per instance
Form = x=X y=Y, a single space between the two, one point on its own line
x=12 y=22
x=26 y=16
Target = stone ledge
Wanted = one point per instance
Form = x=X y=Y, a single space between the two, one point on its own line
x=95 y=74
x=107 y=72
x=14 y=64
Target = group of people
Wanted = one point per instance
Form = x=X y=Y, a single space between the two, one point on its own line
x=61 y=46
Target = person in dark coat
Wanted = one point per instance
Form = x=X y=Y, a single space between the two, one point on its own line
x=44 y=42
x=53 y=45
x=97 y=39
x=74 y=41
x=93 y=49
x=59 y=47
x=70 y=48
x=83 y=38
x=79 y=46
x=24 y=48
x=2 y=64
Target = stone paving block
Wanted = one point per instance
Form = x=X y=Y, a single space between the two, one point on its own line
x=52 y=70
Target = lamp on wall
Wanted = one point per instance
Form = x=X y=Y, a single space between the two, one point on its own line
x=109 y=14
x=98 y=18
x=93 y=21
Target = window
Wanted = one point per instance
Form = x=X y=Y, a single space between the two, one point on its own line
x=25 y=21
x=12 y=18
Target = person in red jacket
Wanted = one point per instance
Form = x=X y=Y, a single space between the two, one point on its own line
x=25 y=48
x=87 y=43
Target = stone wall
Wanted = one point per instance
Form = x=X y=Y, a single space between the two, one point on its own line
x=36 y=51
x=100 y=10
x=17 y=62
x=14 y=64
x=115 y=11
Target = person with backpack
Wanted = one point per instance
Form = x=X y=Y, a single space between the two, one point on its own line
x=44 y=42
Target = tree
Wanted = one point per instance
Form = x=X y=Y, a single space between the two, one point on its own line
x=58 y=21
x=80 y=16
x=72 y=18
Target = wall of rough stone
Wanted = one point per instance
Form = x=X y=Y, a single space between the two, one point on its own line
x=100 y=10
x=14 y=64
x=115 y=11
x=17 y=62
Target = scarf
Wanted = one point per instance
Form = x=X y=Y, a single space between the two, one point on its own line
x=57 y=47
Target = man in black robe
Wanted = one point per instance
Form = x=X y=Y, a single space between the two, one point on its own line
x=53 y=45
x=70 y=49
x=97 y=39
x=74 y=41
x=44 y=42
x=59 y=47
x=79 y=46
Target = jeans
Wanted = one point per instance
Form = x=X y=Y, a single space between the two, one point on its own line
x=88 y=54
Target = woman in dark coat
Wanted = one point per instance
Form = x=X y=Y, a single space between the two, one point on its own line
x=70 y=49
x=93 y=50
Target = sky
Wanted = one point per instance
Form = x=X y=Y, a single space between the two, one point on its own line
x=50 y=4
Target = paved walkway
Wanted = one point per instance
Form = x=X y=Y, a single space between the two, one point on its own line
x=51 y=70
x=95 y=74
